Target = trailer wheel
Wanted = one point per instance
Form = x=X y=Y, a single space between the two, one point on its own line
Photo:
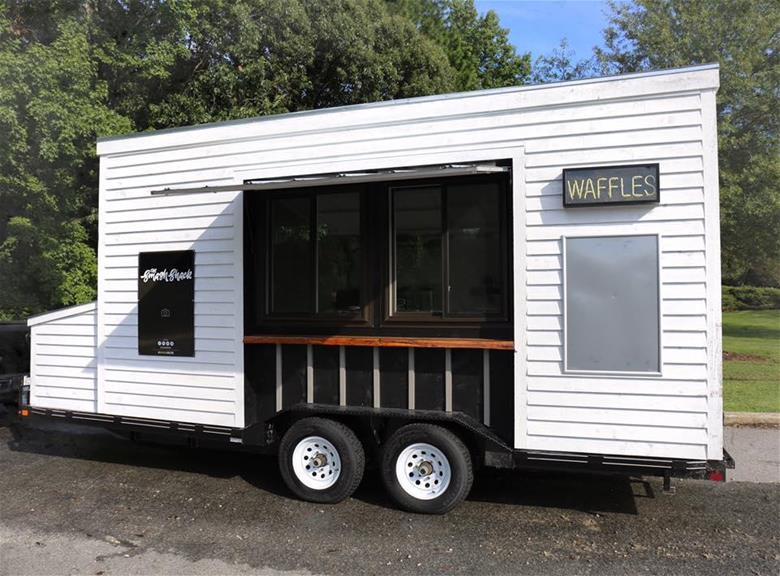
x=426 y=468
x=321 y=460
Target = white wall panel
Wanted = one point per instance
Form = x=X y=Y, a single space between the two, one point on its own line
x=626 y=415
x=63 y=359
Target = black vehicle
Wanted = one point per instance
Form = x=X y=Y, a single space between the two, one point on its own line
x=14 y=359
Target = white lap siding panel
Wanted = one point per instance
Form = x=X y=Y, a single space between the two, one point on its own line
x=655 y=416
x=635 y=119
x=206 y=388
x=63 y=359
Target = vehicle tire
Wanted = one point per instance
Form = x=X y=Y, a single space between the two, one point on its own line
x=426 y=468
x=321 y=460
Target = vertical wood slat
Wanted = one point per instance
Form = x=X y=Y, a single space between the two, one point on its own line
x=278 y=377
x=342 y=376
x=410 y=379
x=486 y=387
x=376 y=378
x=448 y=380
x=309 y=374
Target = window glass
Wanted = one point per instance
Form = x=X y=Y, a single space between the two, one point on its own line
x=475 y=258
x=339 y=257
x=446 y=244
x=291 y=256
x=612 y=320
x=418 y=249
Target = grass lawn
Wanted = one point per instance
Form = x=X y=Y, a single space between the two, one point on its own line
x=751 y=366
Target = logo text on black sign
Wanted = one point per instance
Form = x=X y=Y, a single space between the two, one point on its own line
x=172 y=275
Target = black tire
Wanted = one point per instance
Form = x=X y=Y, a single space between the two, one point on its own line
x=350 y=452
x=461 y=471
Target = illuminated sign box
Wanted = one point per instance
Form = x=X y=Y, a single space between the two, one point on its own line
x=603 y=185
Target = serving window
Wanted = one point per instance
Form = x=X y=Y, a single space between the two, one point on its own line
x=449 y=251
x=428 y=257
x=315 y=254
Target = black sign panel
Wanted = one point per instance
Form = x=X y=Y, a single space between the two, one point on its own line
x=166 y=307
x=611 y=185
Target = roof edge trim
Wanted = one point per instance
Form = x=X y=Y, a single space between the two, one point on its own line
x=415 y=100
x=61 y=313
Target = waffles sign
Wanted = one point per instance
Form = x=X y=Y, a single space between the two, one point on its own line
x=611 y=185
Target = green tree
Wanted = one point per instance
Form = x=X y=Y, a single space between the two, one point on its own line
x=73 y=70
x=52 y=106
x=254 y=57
x=741 y=35
x=477 y=47
x=560 y=65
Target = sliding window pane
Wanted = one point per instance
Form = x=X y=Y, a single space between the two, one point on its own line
x=292 y=285
x=418 y=249
x=338 y=253
x=475 y=270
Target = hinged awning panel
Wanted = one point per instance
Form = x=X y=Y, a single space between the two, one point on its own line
x=357 y=177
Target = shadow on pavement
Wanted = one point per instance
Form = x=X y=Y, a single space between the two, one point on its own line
x=586 y=493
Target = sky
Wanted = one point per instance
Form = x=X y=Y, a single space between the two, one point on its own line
x=537 y=26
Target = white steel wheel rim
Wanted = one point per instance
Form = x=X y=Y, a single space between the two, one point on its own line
x=316 y=463
x=423 y=471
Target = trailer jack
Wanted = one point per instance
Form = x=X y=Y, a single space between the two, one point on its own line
x=668 y=488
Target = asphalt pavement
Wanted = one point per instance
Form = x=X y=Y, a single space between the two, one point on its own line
x=758 y=453
x=78 y=500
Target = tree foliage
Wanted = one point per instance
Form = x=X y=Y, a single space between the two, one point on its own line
x=250 y=58
x=52 y=104
x=560 y=65
x=477 y=47
x=73 y=70
x=743 y=37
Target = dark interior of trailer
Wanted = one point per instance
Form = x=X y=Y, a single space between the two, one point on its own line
x=381 y=294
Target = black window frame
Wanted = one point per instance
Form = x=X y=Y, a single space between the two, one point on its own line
x=259 y=260
x=375 y=318
x=391 y=315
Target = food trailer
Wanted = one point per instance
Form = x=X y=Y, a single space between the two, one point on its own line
x=523 y=278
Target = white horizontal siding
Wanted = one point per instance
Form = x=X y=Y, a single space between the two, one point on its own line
x=206 y=388
x=580 y=442
x=244 y=152
x=119 y=318
x=63 y=361
x=695 y=420
x=670 y=370
x=655 y=118
x=52 y=371
x=582 y=137
x=208 y=357
x=686 y=354
x=201 y=259
x=670 y=403
x=664 y=415
x=676 y=163
x=619 y=386
x=150 y=407
x=118 y=376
